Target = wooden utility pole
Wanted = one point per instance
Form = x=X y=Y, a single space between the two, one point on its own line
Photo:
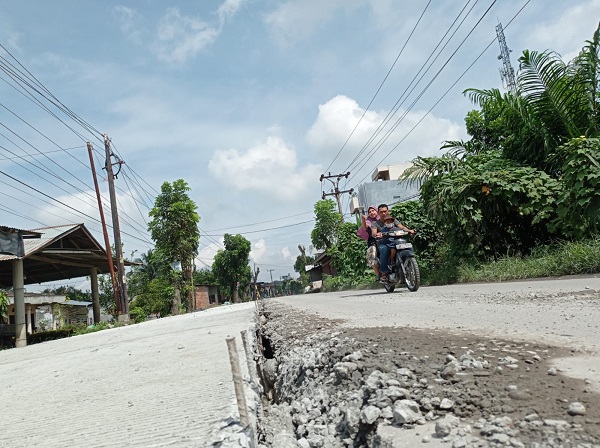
x=111 y=267
x=121 y=287
x=336 y=191
x=255 y=289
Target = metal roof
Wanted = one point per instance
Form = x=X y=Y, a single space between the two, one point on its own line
x=61 y=252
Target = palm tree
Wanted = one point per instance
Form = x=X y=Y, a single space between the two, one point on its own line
x=554 y=102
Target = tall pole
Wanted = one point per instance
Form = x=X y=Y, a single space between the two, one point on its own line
x=124 y=315
x=271 y=273
x=111 y=267
x=336 y=191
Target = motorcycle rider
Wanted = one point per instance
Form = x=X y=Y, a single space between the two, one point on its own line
x=383 y=246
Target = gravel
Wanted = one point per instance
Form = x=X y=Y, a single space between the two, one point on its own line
x=333 y=386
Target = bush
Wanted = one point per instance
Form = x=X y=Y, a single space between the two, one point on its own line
x=51 y=335
x=560 y=258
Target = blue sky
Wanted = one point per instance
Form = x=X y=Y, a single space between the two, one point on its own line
x=248 y=101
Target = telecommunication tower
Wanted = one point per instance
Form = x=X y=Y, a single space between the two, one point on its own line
x=506 y=72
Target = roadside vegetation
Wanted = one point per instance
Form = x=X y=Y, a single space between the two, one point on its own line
x=519 y=199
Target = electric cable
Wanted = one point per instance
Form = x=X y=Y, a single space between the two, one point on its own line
x=406 y=91
x=453 y=84
x=381 y=85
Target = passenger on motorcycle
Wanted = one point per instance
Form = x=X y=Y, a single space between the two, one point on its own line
x=366 y=234
x=385 y=247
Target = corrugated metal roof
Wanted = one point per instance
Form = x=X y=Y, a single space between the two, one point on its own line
x=48 y=235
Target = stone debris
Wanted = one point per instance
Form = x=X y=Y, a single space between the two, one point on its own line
x=334 y=390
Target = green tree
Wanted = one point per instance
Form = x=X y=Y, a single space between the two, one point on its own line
x=231 y=266
x=3 y=307
x=578 y=204
x=348 y=255
x=205 y=276
x=70 y=292
x=300 y=264
x=555 y=101
x=106 y=295
x=327 y=222
x=156 y=298
x=174 y=229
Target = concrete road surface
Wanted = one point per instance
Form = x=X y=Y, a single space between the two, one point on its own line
x=563 y=312
x=160 y=383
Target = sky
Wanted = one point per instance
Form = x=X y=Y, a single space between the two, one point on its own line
x=248 y=101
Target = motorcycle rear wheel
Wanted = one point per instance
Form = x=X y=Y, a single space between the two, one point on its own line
x=413 y=274
x=389 y=287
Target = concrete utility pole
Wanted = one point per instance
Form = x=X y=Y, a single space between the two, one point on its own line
x=336 y=191
x=271 y=273
x=122 y=303
x=111 y=267
x=506 y=72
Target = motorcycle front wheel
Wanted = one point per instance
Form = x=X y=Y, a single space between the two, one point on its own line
x=413 y=275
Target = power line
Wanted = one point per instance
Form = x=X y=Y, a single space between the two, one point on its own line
x=272 y=228
x=428 y=85
x=407 y=92
x=380 y=86
x=450 y=88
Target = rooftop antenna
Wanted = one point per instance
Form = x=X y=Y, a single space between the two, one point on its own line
x=507 y=74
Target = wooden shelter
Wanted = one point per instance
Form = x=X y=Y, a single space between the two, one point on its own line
x=44 y=255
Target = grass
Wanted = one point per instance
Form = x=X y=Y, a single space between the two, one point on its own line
x=563 y=258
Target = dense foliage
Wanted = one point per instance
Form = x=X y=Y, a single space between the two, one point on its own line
x=528 y=177
x=327 y=222
x=174 y=229
x=530 y=173
x=231 y=266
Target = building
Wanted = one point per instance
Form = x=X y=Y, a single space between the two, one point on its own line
x=48 y=254
x=206 y=296
x=384 y=188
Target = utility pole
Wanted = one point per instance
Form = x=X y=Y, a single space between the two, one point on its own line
x=122 y=303
x=271 y=273
x=111 y=266
x=255 y=290
x=336 y=191
x=506 y=72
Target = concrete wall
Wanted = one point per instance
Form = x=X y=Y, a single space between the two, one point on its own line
x=385 y=192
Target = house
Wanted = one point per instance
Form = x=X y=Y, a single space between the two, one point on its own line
x=206 y=296
x=321 y=265
x=48 y=254
x=384 y=188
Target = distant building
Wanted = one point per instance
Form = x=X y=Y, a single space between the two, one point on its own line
x=384 y=188
x=206 y=296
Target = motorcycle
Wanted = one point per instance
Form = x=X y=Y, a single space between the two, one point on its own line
x=405 y=268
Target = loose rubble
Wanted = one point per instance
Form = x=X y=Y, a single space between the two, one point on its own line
x=375 y=387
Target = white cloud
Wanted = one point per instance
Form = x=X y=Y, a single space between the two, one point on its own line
x=294 y=20
x=568 y=33
x=270 y=167
x=258 y=251
x=181 y=38
x=207 y=254
x=287 y=255
x=336 y=120
x=129 y=21
x=228 y=9
x=339 y=116
x=134 y=237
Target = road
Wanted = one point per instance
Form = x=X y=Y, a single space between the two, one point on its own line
x=159 y=383
x=563 y=312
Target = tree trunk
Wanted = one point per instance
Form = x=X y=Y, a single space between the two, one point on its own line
x=236 y=294
x=176 y=301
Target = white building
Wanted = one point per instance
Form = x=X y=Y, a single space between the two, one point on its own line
x=384 y=188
